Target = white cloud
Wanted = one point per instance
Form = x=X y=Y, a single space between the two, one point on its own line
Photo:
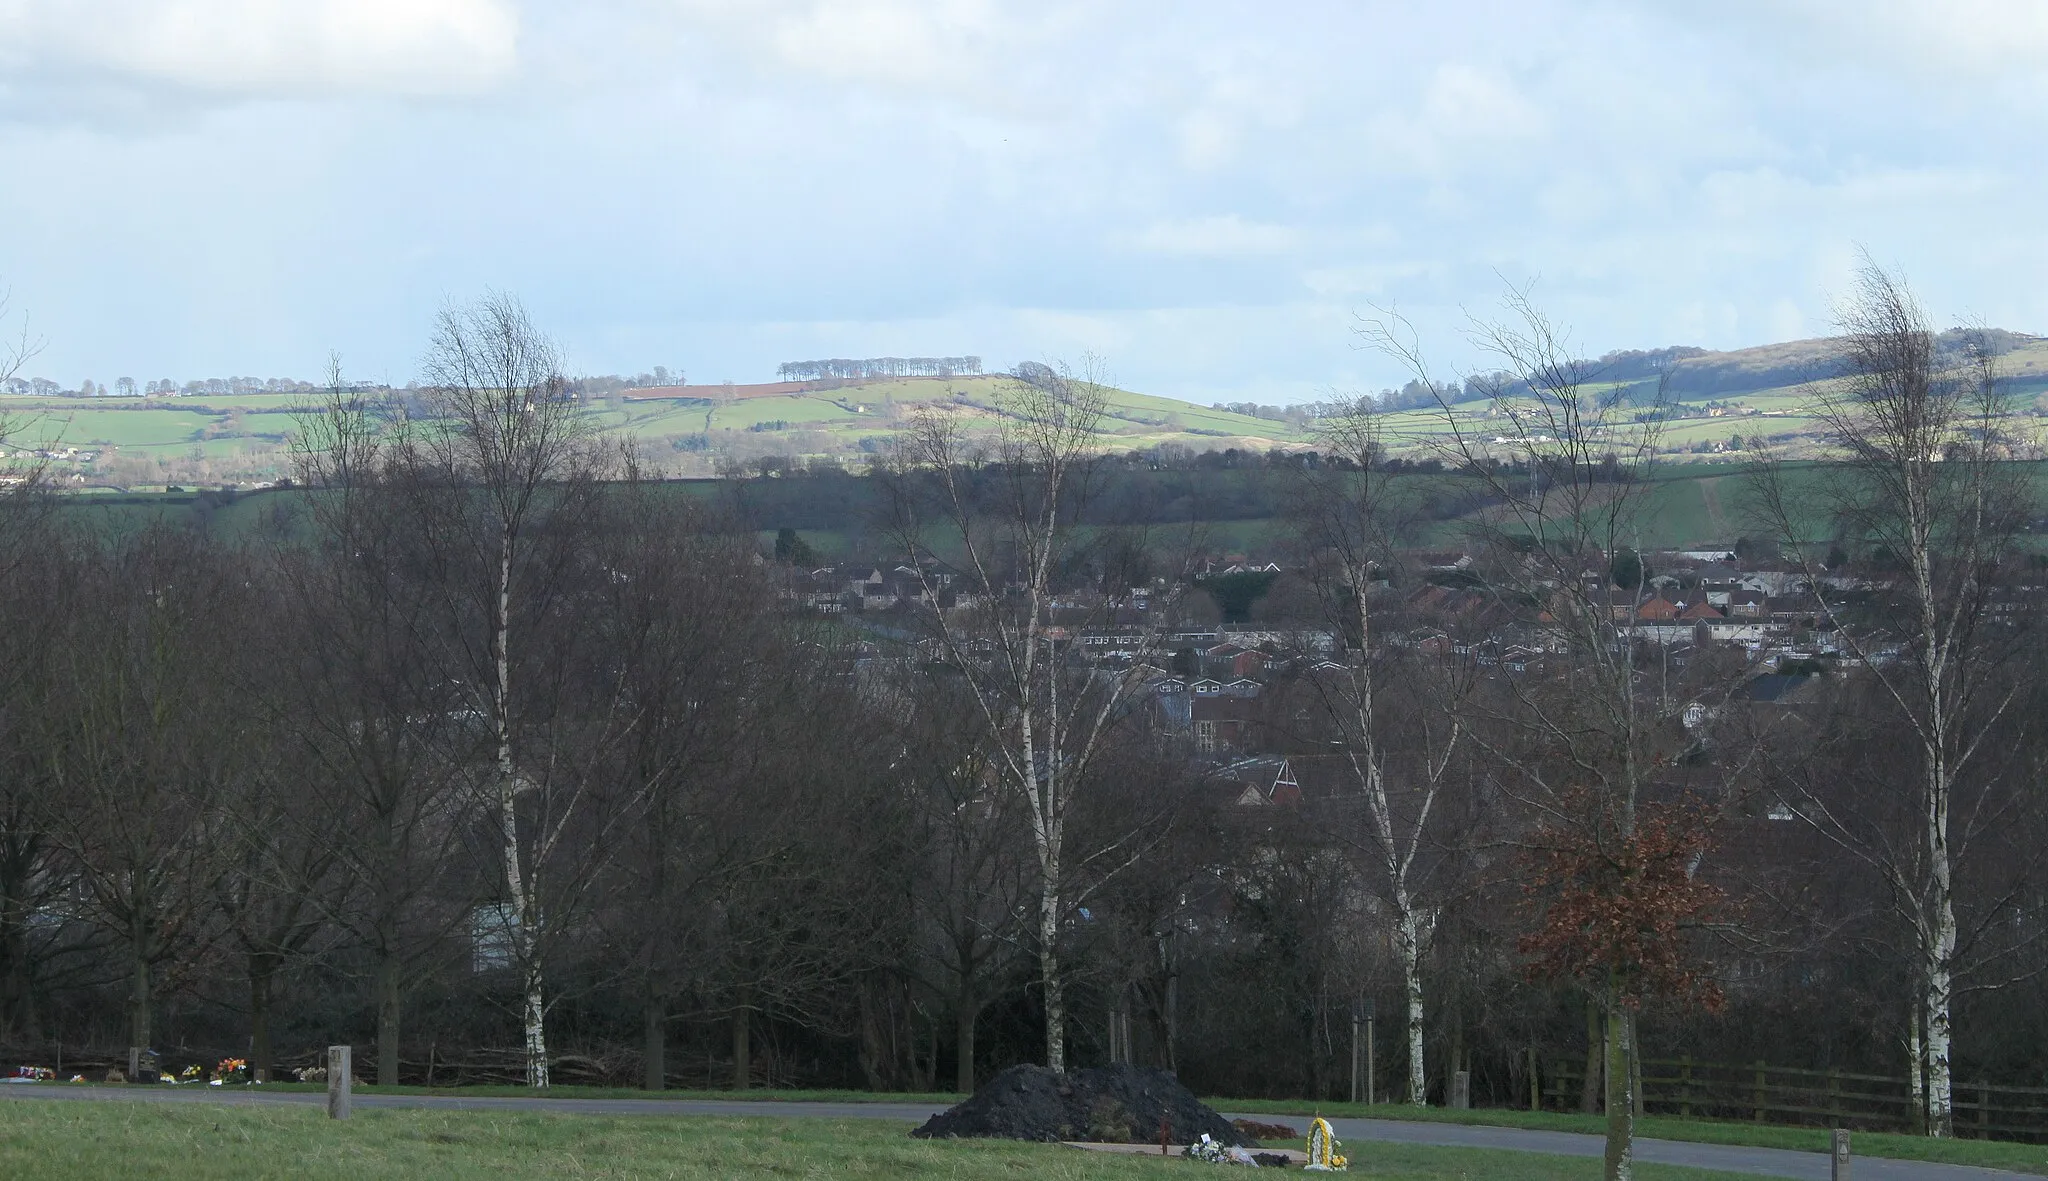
x=1922 y=42
x=976 y=52
x=268 y=47
x=1229 y=236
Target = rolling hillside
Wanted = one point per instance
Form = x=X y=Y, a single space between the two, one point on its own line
x=1719 y=405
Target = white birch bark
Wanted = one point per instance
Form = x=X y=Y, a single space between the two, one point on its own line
x=519 y=886
x=1409 y=943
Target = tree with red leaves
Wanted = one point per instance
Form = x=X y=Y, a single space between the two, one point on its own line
x=1616 y=897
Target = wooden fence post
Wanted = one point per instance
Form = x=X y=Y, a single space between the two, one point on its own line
x=1758 y=1096
x=1535 y=1082
x=1984 y=1111
x=1685 y=1086
x=339 y=1072
x=1835 y=1095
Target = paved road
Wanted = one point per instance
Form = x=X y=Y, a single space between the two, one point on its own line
x=1768 y=1162
x=1728 y=1158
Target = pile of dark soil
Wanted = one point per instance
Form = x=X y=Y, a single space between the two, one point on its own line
x=1264 y=1131
x=1110 y=1103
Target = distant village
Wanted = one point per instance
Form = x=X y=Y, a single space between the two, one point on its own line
x=1226 y=688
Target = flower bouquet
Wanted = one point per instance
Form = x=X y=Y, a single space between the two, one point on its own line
x=1217 y=1153
x=33 y=1074
x=231 y=1070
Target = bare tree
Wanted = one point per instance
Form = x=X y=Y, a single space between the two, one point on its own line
x=505 y=468
x=1349 y=519
x=1929 y=490
x=14 y=354
x=684 y=623
x=279 y=877
x=38 y=565
x=1010 y=507
x=142 y=742
x=1560 y=459
x=970 y=885
x=379 y=734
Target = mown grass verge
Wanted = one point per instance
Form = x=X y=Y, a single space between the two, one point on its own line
x=172 y=1141
x=1991 y=1154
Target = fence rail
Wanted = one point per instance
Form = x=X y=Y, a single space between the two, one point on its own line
x=1762 y=1092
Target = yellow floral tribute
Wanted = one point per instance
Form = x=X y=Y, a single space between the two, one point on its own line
x=1323 y=1156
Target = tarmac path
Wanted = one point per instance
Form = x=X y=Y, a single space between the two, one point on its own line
x=1728 y=1158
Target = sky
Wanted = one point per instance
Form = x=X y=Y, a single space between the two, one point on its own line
x=1205 y=197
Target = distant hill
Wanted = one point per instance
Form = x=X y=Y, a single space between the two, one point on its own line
x=1692 y=373
x=1723 y=403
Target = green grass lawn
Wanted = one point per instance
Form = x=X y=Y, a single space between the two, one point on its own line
x=936 y=1098
x=2025 y=1158
x=171 y=1141
x=1993 y=1154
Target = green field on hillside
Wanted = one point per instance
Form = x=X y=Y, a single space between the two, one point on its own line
x=145 y=445
x=1685 y=505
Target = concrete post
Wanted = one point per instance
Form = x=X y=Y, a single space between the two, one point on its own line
x=1839 y=1158
x=340 y=1072
x=1461 y=1089
x=1357 y=1039
x=1370 y=1046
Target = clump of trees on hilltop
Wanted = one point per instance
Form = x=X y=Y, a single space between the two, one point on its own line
x=873 y=367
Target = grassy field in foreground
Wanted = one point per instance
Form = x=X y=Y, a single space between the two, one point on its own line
x=1991 y=1154
x=514 y=1091
x=170 y=1141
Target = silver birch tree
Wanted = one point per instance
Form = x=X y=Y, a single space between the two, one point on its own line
x=507 y=448
x=1560 y=459
x=1010 y=504
x=1926 y=480
x=1348 y=519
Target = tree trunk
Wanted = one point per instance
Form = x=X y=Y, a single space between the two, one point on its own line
x=742 y=1048
x=1455 y=1060
x=1596 y=1056
x=387 y=1020
x=259 y=1018
x=1621 y=1108
x=654 y=1043
x=520 y=888
x=1916 y=1069
x=1408 y=940
x=1635 y=1065
x=139 y=1004
x=1049 y=972
x=1940 y=1079
x=536 y=1028
x=875 y=1056
x=966 y=1011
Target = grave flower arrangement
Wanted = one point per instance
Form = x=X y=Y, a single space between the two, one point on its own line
x=35 y=1074
x=231 y=1070
x=1323 y=1156
x=1215 y=1153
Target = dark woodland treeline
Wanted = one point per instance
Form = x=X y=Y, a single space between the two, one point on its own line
x=503 y=765
x=1167 y=485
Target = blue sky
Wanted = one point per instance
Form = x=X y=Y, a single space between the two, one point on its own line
x=1204 y=195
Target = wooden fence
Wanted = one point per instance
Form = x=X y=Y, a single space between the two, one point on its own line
x=1765 y=1093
